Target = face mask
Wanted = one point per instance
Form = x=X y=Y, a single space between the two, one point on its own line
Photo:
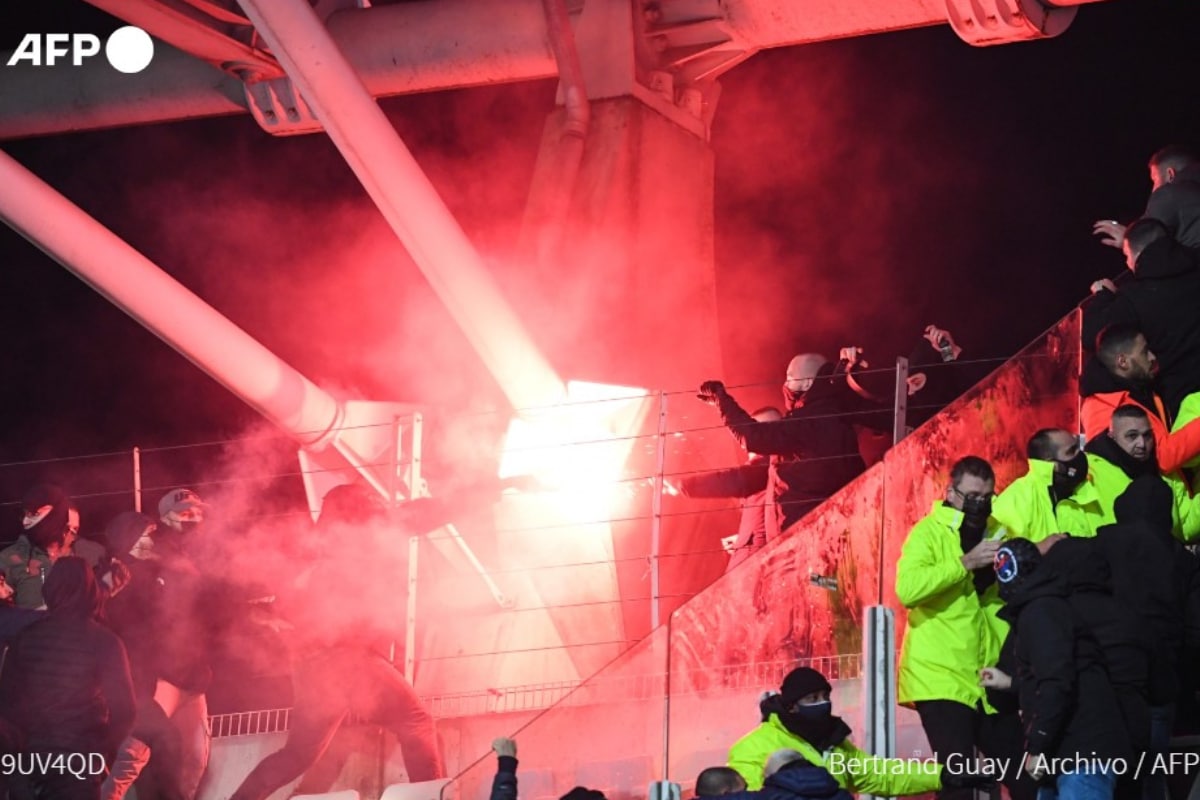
x=815 y=711
x=143 y=548
x=187 y=526
x=1070 y=474
x=976 y=507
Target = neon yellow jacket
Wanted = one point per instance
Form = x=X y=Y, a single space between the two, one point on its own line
x=1024 y=507
x=853 y=769
x=952 y=632
x=1111 y=481
x=1189 y=410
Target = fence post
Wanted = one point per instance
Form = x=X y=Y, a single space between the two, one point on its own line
x=657 y=503
x=137 y=480
x=900 y=409
x=879 y=673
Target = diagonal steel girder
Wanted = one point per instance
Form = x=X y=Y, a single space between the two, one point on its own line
x=186 y=27
x=407 y=199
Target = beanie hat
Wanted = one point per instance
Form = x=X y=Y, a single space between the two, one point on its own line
x=45 y=527
x=1014 y=563
x=800 y=682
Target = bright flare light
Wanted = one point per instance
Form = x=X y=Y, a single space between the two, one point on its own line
x=578 y=450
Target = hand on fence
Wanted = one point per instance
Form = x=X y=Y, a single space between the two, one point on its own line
x=1104 y=285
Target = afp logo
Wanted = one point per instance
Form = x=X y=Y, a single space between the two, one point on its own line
x=128 y=49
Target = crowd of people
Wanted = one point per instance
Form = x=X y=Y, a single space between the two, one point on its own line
x=1053 y=628
x=1054 y=625
x=111 y=648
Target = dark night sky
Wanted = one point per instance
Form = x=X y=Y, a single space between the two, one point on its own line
x=864 y=188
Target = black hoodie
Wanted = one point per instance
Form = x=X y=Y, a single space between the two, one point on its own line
x=1152 y=573
x=1161 y=300
x=1125 y=642
x=1068 y=705
x=66 y=682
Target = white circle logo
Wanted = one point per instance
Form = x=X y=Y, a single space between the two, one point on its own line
x=129 y=49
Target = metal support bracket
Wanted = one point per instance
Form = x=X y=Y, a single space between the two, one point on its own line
x=279 y=109
x=986 y=22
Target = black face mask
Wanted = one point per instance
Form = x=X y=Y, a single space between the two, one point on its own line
x=188 y=526
x=814 y=724
x=976 y=511
x=977 y=507
x=1068 y=475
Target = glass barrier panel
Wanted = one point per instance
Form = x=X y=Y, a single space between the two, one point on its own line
x=799 y=601
x=607 y=734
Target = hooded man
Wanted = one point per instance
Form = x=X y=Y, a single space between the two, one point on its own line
x=66 y=682
x=813 y=449
x=800 y=718
x=1056 y=495
x=44 y=539
x=1158 y=579
x=1069 y=708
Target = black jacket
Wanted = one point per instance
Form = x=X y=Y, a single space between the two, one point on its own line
x=65 y=683
x=814 y=449
x=1161 y=300
x=1154 y=575
x=504 y=785
x=1124 y=640
x=1177 y=205
x=1068 y=705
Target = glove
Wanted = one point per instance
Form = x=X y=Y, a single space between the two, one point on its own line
x=711 y=392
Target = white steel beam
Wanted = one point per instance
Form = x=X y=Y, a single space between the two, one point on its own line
x=407 y=199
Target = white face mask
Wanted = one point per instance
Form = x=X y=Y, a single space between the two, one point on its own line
x=143 y=548
x=32 y=518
